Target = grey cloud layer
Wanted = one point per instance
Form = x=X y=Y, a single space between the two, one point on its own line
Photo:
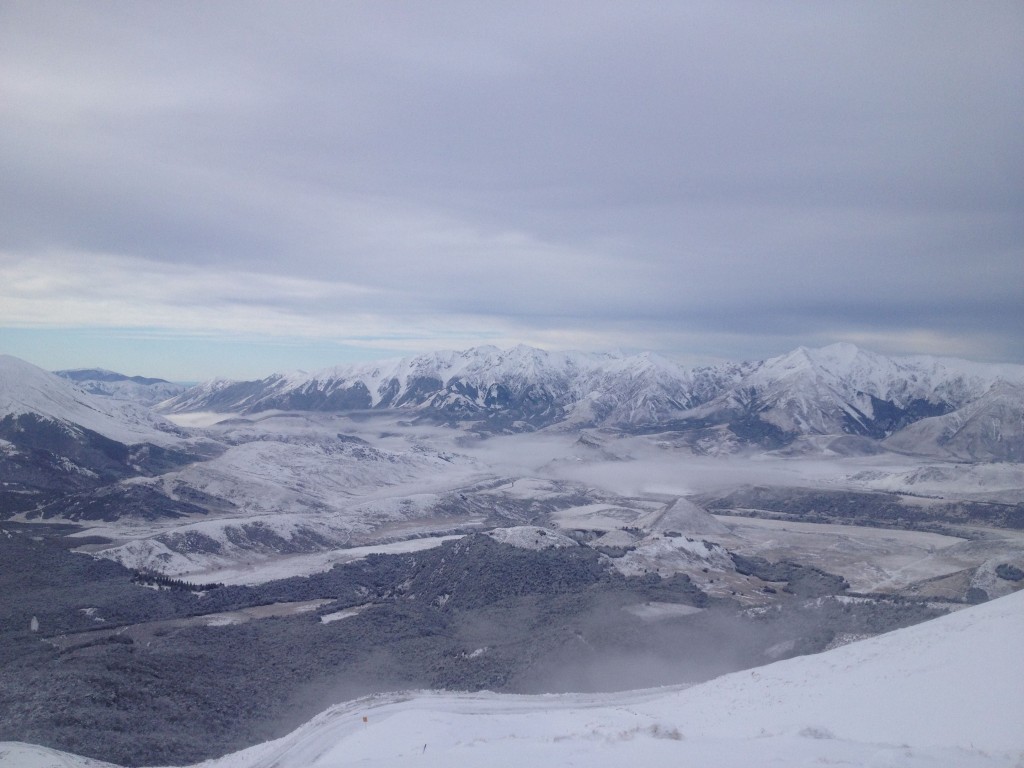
x=720 y=168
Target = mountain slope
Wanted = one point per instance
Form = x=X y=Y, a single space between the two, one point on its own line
x=951 y=688
x=990 y=428
x=946 y=692
x=56 y=439
x=26 y=389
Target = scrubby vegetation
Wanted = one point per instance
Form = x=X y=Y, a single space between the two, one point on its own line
x=885 y=510
x=1009 y=572
x=801 y=580
x=121 y=672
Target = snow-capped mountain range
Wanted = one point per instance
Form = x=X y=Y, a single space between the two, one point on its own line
x=517 y=388
x=834 y=390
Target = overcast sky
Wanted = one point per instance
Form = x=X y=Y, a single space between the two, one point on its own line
x=190 y=189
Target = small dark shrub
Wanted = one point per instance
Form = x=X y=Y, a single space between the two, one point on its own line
x=1009 y=572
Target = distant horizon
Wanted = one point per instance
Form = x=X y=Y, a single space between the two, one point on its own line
x=391 y=355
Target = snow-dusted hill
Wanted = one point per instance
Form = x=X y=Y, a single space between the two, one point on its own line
x=288 y=495
x=28 y=390
x=948 y=692
x=990 y=428
x=137 y=389
x=56 y=439
x=834 y=390
x=843 y=390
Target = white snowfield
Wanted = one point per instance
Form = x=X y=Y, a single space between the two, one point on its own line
x=949 y=692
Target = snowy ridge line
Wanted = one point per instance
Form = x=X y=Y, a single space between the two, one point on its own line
x=807 y=390
x=486 y=364
x=389 y=383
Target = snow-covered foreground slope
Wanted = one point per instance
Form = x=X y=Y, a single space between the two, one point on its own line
x=949 y=692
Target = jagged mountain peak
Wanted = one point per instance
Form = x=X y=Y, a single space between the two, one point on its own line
x=523 y=386
x=839 y=361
